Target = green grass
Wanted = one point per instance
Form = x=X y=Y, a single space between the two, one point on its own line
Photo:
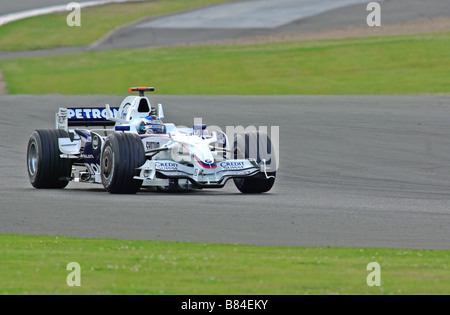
x=37 y=265
x=51 y=31
x=415 y=64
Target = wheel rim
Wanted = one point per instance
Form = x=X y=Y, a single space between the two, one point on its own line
x=107 y=163
x=32 y=159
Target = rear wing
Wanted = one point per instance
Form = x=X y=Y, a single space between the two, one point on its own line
x=92 y=116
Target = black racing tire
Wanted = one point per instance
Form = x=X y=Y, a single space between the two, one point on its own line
x=46 y=168
x=252 y=145
x=122 y=154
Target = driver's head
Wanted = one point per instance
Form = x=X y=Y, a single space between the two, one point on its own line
x=150 y=125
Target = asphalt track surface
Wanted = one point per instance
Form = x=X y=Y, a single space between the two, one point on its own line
x=249 y=14
x=356 y=171
x=196 y=26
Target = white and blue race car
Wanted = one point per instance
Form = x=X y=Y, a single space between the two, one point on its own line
x=129 y=147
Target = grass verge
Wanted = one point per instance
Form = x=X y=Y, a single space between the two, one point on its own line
x=413 y=64
x=51 y=31
x=37 y=265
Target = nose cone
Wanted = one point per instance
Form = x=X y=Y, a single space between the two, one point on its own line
x=202 y=154
x=198 y=149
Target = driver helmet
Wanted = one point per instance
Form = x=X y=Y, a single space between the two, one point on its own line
x=151 y=125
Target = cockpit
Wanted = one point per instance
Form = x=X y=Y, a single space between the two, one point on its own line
x=152 y=125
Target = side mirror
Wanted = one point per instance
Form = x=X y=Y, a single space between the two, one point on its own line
x=110 y=117
x=160 y=111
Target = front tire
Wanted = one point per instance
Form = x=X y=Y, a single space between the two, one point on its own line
x=122 y=154
x=46 y=169
x=258 y=146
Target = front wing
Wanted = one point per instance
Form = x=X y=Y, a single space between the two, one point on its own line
x=157 y=172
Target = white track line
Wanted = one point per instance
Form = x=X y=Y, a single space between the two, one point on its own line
x=4 y=19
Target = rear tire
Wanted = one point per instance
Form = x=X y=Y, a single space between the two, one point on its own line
x=254 y=145
x=122 y=154
x=46 y=169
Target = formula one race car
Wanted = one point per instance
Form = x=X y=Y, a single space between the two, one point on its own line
x=134 y=149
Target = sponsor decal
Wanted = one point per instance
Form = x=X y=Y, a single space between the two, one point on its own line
x=151 y=145
x=89 y=113
x=230 y=166
x=62 y=119
x=166 y=166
